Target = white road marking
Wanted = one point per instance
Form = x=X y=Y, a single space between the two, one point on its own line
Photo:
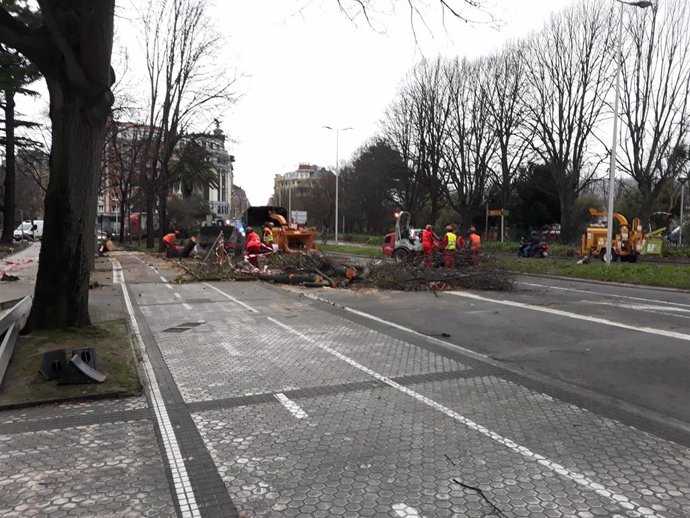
x=187 y=306
x=591 y=292
x=232 y=298
x=177 y=295
x=183 y=488
x=669 y=311
x=575 y=316
x=293 y=407
x=580 y=479
x=169 y=286
x=162 y=278
x=405 y=511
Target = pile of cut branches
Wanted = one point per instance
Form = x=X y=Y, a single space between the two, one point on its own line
x=416 y=277
x=316 y=269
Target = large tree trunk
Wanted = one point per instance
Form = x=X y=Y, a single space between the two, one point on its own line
x=10 y=173
x=646 y=203
x=162 y=218
x=150 y=207
x=123 y=215
x=62 y=287
x=568 y=230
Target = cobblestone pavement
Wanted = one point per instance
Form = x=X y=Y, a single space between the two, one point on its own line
x=267 y=403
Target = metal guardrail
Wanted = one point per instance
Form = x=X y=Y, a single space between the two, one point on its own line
x=11 y=322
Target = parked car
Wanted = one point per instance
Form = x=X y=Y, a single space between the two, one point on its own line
x=29 y=229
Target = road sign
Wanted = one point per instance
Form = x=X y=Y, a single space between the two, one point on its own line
x=496 y=212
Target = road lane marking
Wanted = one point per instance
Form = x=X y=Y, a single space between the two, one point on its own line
x=177 y=295
x=232 y=298
x=668 y=311
x=574 y=316
x=292 y=407
x=591 y=292
x=163 y=278
x=187 y=306
x=169 y=286
x=405 y=511
x=183 y=489
x=580 y=479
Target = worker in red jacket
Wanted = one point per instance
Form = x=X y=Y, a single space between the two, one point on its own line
x=169 y=240
x=428 y=245
x=253 y=246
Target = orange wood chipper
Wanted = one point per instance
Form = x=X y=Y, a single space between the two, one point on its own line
x=287 y=238
x=627 y=243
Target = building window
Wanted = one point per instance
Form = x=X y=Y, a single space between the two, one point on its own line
x=100 y=208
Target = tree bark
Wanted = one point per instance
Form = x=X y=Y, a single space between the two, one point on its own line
x=567 y=199
x=73 y=54
x=150 y=207
x=62 y=286
x=10 y=171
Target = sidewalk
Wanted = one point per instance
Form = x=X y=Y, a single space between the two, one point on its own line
x=91 y=458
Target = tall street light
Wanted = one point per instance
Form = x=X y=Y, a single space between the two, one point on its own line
x=337 y=174
x=682 y=208
x=612 y=168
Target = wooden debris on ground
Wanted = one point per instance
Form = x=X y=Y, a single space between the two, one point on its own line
x=316 y=269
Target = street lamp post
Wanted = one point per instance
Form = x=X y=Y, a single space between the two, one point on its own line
x=337 y=174
x=682 y=199
x=614 y=146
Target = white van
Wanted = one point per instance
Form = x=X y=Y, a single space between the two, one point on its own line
x=29 y=229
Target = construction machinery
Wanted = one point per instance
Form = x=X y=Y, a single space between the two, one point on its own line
x=405 y=243
x=627 y=243
x=288 y=238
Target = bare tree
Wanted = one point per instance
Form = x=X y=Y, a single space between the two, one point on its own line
x=425 y=97
x=185 y=84
x=471 y=142
x=124 y=157
x=505 y=85
x=654 y=97
x=569 y=76
x=406 y=190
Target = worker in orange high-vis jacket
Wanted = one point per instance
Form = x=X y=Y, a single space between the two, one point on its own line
x=253 y=246
x=475 y=245
x=169 y=240
x=428 y=245
x=449 y=246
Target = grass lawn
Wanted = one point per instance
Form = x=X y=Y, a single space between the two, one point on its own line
x=651 y=274
x=374 y=251
x=24 y=385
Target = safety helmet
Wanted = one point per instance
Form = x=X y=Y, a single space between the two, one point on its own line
x=472 y=229
x=428 y=227
x=449 y=228
x=249 y=230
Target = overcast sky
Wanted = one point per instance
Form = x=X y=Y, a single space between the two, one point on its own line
x=305 y=65
x=302 y=64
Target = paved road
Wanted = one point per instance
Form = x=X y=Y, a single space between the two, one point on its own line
x=268 y=402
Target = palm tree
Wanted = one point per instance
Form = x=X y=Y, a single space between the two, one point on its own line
x=192 y=170
x=16 y=72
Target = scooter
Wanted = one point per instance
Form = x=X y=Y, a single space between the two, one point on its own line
x=540 y=250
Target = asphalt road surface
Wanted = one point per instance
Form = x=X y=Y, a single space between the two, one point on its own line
x=557 y=399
